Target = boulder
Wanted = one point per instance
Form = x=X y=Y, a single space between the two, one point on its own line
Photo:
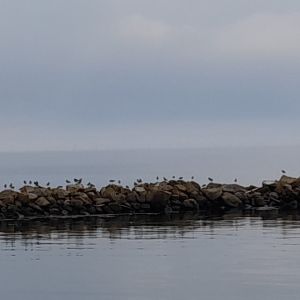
x=190 y=204
x=231 y=200
x=213 y=193
x=42 y=202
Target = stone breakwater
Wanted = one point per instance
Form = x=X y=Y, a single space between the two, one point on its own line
x=172 y=196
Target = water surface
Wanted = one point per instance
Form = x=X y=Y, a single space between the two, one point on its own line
x=177 y=257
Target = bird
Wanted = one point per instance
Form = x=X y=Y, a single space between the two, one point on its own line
x=165 y=179
x=203 y=185
x=157 y=178
x=30 y=182
x=48 y=184
x=111 y=180
x=127 y=187
x=235 y=180
x=135 y=184
x=25 y=182
x=11 y=186
x=173 y=177
x=192 y=177
x=283 y=171
x=68 y=181
x=210 y=179
x=180 y=178
x=139 y=180
x=75 y=180
x=5 y=186
x=36 y=183
x=79 y=181
x=59 y=187
x=119 y=181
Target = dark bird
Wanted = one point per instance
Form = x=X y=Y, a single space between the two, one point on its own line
x=48 y=183
x=11 y=186
x=112 y=180
x=79 y=181
x=68 y=181
x=157 y=178
x=30 y=182
x=75 y=180
x=139 y=180
x=5 y=186
x=283 y=171
x=173 y=177
x=203 y=185
x=119 y=181
x=210 y=179
x=180 y=178
x=59 y=187
x=165 y=179
x=135 y=184
x=36 y=183
x=127 y=187
x=25 y=182
x=192 y=177
x=235 y=180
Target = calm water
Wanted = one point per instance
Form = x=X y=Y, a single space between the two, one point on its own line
x=183 y=257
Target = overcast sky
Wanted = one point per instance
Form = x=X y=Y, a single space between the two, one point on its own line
x=77 y=74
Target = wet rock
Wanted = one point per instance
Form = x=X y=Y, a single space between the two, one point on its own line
x=76 y=203
x=160 y=200
x=190 y=204
x=233 y=188
x=231 y=200
x=100 y=201
x=213 y=193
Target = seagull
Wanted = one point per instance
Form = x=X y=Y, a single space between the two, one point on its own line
x=79 y=181
x=68 y=181
x=127 y=187
x=165 y=179
x=36 y=183
x=203 y=185
x=48 y=183
x=139 y=180
x=283 y=171
x=75 y=180
x=235 y=180
x=173 y=177
x=119 y=181
x=180 y=178
x=25 y=182
x=5 y=186
x=135 y=184
x=210 y=179
x=30 y=182
x=112 y=180
x=11 y=186
x=59 y=187
x=192 y=177
x=157 y=178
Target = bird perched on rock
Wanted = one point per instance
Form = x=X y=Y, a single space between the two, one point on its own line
x=59 y=187
x=192 y=177
x=68 y=181
x=48 y=184
x=210 y=179
x=139 y=180
x=25 y=182
x=111 y=180
x=5 y=186
x=235 y=179
x=79 y=181
x=180 y=178
x=157 y=178
x=127 y=187
x=30 y=182
x=165 y=179
x=119 y=181
x=36 y=183
x=173 y=177
x=11 y=186
x=283 y=171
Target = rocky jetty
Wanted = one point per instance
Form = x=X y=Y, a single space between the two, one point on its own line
x=173 y=196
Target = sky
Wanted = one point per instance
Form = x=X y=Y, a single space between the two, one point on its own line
x=125 y=74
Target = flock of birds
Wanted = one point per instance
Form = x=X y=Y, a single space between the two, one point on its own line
x=79 y=181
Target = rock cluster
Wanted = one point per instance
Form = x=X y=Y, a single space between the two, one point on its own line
x=162 y=197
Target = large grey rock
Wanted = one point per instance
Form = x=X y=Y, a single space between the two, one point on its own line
x=42 y=202
x=231 y=200
x=213 y=193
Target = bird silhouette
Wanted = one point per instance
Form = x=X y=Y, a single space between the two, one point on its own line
x=79 y=181
x=283 y=171
x=11 y=186
x=139 y=180
x=36 y=183
x=180 y=178
x=68 y=181
x=165 y=179
x=30 y=182
x=192 y=177
x=5 y=186
x=25 y=182
x=157 y=178
x=210 y=179
x=112 y=180
x=235 y=180
x=48 y=183
x=59 y=187
x=119 y=181
x=173 y=177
